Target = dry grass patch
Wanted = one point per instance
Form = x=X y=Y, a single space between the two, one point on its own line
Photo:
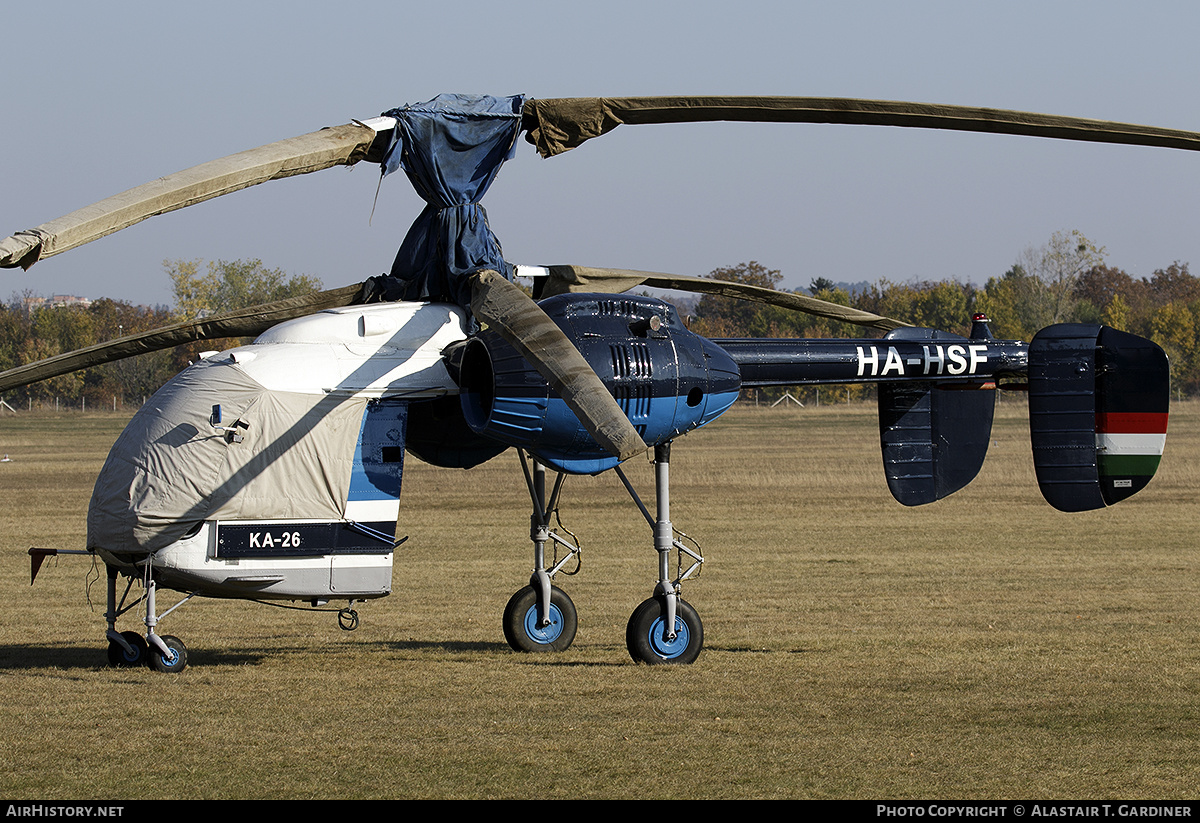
x=984 y=646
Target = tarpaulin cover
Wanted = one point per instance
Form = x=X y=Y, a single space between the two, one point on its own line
x=451 y=148
x=171 y=469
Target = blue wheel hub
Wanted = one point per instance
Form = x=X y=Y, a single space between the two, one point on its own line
x=664 y=647
x=543 y=635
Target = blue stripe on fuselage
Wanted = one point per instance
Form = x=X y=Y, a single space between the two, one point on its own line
x=379 y=454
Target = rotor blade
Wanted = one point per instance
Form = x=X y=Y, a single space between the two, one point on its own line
x=507 y=309
x=583 y=279
x=558 y=125
x=341 y=145
x=238 y=323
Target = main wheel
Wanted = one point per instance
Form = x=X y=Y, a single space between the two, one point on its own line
x=173 y=665
x=647 y=642
x=522 y=627
x=120 y=658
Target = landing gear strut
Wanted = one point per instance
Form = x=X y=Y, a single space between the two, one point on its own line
x=664 y=628
x=164 y=653
x=541 y=617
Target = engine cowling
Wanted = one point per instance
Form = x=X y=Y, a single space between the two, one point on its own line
x=667 y=380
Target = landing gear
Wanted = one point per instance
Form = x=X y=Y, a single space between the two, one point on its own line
x=541 y=617
x=127 y=650
x=650 y=641
x=665 y=628
x=164 y=653
x=527 y=629
x=173 y=660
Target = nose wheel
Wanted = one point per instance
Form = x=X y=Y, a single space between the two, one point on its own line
x=171 y=661
x=129 y=654
x=163 y=653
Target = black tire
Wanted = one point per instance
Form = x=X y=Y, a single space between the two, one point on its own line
x=521 y=628
x=159 y=662
x=121 y=659
x=644 y=635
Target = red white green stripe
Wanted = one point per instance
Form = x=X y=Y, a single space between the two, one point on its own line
x=1130 y=444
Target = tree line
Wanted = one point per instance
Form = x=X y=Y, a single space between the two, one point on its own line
x=1066 y=280
x=33 y=329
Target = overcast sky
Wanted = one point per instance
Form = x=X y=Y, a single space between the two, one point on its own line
x=103 y=97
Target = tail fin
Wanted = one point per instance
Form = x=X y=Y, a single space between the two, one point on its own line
x=934 y=435
x=1098 y=402
x=934 y=438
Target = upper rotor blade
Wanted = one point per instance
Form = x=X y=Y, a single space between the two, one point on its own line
x=507 y=309
x=558 y=125
x=239 y=323
x=341 y=145
x=583 y=279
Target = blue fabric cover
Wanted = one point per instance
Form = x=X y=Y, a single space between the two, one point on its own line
x=451 y=148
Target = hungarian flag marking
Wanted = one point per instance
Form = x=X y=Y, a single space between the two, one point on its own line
x=1130 y=444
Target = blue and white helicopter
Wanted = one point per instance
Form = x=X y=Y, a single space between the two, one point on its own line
x=272 y=471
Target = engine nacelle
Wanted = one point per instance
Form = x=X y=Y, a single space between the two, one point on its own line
x=666 y=379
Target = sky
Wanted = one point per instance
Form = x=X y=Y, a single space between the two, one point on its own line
x=104 y=97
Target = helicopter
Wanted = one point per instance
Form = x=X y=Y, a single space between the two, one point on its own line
x=272 y=470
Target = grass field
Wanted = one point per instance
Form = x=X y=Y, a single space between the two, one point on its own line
x=985 y=646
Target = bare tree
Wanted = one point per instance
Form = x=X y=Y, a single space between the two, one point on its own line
x=1059 y=264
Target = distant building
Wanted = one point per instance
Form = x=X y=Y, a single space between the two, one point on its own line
x=57 y=301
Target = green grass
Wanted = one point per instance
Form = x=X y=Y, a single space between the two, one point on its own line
x=985 y=646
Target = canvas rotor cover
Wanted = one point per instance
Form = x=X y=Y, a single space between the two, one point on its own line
x=559 y=125
x=171 y=469
x=451 y=148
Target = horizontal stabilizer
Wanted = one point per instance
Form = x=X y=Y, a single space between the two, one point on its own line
x=1098 y=402
x=934 y=435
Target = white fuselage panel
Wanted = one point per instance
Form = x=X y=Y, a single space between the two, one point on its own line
x=377 y=350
